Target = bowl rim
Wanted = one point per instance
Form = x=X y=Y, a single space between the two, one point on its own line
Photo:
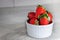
x=40 y=25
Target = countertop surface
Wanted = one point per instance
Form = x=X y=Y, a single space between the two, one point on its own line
x=18 y=32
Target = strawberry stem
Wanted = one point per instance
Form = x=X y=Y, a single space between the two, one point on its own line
x=44 y=15
x=39 y=6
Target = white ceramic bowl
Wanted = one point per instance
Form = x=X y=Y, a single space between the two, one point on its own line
x=39 y=31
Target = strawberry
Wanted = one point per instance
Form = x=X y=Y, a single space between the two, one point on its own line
x=33 y=21
x=50 y=16
x=31 y=15
x=39 y=11
x=44 y=21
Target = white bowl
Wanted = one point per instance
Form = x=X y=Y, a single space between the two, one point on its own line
x=39 y=31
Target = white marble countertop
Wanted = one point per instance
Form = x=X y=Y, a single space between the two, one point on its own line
x=18 y=32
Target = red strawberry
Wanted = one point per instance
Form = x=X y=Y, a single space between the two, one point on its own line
x=44 y=21
x=33 y=21
x=31 y=15
x=50 y=16
x=39 y=11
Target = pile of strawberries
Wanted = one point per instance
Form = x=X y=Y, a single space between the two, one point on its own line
x=40 y=17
